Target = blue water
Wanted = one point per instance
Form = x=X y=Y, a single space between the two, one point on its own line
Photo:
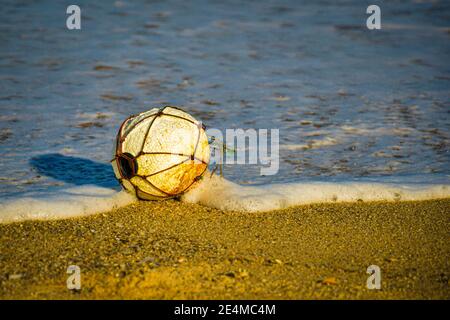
x=350 y=103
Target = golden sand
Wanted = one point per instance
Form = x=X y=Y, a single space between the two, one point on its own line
x=171 y=250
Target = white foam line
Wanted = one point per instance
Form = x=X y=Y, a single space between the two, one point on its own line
x=73 y=202
x=218 y=193
x=225 y=195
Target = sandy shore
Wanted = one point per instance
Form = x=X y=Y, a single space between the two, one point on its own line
x=171 y=250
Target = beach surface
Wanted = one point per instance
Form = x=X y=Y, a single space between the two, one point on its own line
x=173 y=250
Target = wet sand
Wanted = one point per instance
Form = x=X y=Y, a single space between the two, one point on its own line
x=172 y=250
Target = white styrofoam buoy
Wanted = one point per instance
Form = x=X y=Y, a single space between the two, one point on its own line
x=160 y=153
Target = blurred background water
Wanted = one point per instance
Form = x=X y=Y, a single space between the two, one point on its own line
x=350 y=103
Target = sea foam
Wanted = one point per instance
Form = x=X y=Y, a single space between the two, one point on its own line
x=66 y=203
x=217 y=192
x=222 y=194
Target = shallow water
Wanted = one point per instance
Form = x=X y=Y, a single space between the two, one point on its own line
x=351 y=104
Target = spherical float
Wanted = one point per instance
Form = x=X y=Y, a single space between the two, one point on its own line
x=160 y=153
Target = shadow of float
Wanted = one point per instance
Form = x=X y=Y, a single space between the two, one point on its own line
x=74 y=170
